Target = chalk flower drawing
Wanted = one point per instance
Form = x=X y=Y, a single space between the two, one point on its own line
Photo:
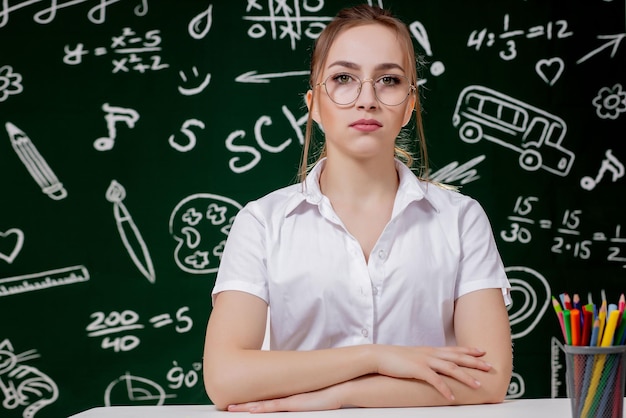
x=610 y=102
x=10 y=82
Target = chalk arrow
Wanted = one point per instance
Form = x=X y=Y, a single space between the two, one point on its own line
x=614 y=42
x=253 y=77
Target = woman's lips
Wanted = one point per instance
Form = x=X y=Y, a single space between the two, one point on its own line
x=366 y=125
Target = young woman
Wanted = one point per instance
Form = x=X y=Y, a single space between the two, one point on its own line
x=384 y=289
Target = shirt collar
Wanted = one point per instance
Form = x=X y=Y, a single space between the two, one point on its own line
x=410 y=189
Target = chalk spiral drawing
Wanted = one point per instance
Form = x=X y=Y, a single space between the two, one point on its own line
x=200 y=224
x=35 y=163
x=9 y=251
x=517 y=387
x=534 y=133
x=129 y=233
x=23 y=386
x=531 y=295
x=10 y=82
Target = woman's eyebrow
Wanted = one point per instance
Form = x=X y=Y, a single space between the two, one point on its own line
x=354 y=66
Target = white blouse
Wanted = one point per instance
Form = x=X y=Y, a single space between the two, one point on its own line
x=290 y=249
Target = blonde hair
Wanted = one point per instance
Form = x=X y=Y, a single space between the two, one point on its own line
x=348 y=18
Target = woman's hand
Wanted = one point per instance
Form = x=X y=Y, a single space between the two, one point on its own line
x=430 y=364
x=319 y=400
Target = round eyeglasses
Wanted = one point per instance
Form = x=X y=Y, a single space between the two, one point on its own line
x=389 y=89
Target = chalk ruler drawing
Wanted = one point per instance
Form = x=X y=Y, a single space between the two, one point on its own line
x=531 y=295
x=534 y=133
x=35 y=163
x=200 y=224
x=24 y=386
x=43 y=280
x=129 y=233
x=10 y=82
x=14 y=249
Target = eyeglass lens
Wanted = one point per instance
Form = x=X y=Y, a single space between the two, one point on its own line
x=345 y=88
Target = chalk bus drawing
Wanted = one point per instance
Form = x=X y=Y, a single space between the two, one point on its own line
x=453 y=172
x=134 y=390
x=200 y=224
x=609 y=164
x=35 y=164
x=24 y=386
x=531 y=296
x=535 y=134
x=131 y=237
x=43 y=280
x=17 y=247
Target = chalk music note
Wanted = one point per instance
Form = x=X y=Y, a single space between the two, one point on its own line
x=131 y=237
x=609 y=164
x=35 y=164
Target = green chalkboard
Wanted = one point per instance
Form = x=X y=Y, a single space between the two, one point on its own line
x=132 y=131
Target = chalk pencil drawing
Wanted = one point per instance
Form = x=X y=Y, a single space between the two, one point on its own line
x=23 y=386
x=36 y=165
x=200 y=224
x=129 y=233
x=531 y=295
x=10 y=82
x=533 y=133
x=14 y=247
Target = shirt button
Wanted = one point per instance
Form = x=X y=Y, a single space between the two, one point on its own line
x=375 y=290
x=364 y=332
x=382 y=254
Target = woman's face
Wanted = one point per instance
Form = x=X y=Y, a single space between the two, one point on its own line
x=365 y=127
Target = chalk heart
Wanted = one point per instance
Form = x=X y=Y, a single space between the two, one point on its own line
x=550 y=70
x=15 y=239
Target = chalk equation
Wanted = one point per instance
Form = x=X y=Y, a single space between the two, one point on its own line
x=10 y=82
x=119 y=329
x=43 y=280
x=22 y=387
x=200 y=224
x=36 y=165
x=568 y=239
x=129 y=50
x=179 y=377
x=97 y=14
x=478 y=38
x=283 y=20
x=533 y=133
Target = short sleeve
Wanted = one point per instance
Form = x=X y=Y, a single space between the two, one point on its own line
x=243 y=263
x=480 y=265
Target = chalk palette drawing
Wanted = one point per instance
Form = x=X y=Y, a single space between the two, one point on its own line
x=191 y=91
x=200 y=25
x=179 y=377
x=550 y=70
x=35 y=163
x=200 y=224
x=113 y=116
x=129 y=50
x=478 y=38
x=11 y=242
x=534 y=133
x=254 y=155
x=45 y=279
x=255 y=77
x=134 y=390
x=517 y=387
x=610 y=164
x=455 y=172
x=191 y=136
x=613 y=41
x=23 y=386
x=419 y=32
x=286 y=20
x=556 y=367
x=610 y=102
x=129 y=233
x=97 y=14
x=531 y=295
x=10 y=82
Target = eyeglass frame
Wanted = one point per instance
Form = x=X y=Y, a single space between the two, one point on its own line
x=412 y=88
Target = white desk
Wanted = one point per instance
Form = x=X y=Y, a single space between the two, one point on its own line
x=522 y=408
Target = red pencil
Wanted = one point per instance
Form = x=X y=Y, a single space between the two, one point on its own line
x=567 y=301
x=575 y=326
x=587 y=325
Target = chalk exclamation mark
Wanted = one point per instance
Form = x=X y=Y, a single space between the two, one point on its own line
x=419 y=32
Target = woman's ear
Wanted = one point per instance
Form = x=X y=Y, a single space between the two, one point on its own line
x=410 y=107
x=315 y=115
